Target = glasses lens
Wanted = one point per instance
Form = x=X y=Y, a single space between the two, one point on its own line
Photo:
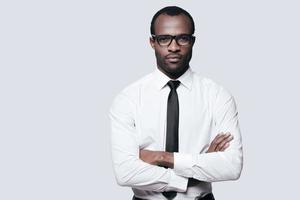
x=164 y=40
x=184 y=39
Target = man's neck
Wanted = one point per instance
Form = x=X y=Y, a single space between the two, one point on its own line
x=173 y=76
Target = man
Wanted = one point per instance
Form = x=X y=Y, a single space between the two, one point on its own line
x=173 y=131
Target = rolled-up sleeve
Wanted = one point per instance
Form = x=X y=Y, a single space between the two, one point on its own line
x=129 y=169
x=216 y=166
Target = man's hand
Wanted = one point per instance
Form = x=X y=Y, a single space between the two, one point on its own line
x=159 y=158
x=220 y=142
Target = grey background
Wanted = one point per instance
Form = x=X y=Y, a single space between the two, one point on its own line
x=62 y=63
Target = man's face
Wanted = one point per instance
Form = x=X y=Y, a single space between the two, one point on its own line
x=173 y=60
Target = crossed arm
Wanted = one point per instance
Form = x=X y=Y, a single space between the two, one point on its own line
x=166 y=159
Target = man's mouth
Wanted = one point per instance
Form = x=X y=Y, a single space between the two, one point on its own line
x=173 y=58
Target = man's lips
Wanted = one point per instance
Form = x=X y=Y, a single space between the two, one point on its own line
x=173 y=58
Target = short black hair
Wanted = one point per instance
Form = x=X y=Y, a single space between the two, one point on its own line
x=171 y=11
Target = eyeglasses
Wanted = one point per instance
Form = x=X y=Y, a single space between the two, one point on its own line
x=181 y=40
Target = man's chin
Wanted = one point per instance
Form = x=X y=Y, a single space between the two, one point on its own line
x=174 y=67
x=175 y=71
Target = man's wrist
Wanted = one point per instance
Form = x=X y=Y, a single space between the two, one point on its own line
x=165 y=159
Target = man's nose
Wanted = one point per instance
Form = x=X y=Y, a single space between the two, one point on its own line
x=173 y=47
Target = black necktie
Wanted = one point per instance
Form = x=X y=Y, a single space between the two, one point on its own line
x=172 y=126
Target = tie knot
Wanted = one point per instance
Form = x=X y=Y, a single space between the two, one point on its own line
x=173 y=84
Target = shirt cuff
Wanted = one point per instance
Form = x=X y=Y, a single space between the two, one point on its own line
x=183 y=164
x=176 y=182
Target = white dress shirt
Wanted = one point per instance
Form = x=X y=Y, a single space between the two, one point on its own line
x=138 y=121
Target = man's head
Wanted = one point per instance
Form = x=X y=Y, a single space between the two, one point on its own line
x=172 y=30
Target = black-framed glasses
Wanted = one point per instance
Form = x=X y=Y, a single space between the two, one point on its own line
x=181 y=40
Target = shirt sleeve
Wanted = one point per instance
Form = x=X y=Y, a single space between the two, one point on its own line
x=216 y=166
x=129 y=169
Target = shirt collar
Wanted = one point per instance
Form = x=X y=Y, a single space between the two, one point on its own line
x=161 y=79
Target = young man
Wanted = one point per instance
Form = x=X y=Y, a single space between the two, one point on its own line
x=174 y=131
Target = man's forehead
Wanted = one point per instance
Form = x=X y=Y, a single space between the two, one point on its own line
x=166 y=22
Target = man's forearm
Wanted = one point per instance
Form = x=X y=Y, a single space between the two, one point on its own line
x=166 y=159
x=159 y=158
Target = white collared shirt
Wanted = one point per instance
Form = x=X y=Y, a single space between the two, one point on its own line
x=138 y=121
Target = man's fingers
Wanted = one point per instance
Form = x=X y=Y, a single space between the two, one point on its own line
x=227 y=138
x=214 y=143
x=222 y=138
x=221 y=144
x=217 y=137
x=225 y=146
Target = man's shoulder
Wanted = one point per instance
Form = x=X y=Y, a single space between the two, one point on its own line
x=132 y=90
x=209 y=85
x=128 y=96
x=204 y=81
x=136 y=85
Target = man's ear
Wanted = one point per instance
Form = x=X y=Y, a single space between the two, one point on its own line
x=194 y=39
x=152 y=42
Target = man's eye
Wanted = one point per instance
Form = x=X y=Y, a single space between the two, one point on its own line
x=164 y=39
x=184 y=38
